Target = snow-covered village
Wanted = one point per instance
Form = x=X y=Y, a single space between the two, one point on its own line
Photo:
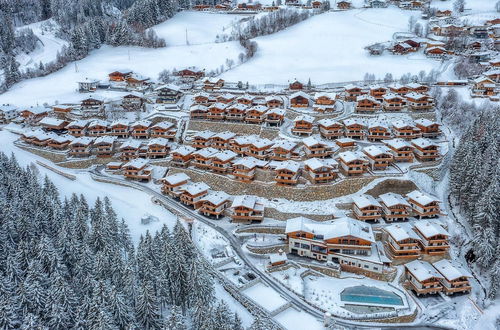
x=250 y=165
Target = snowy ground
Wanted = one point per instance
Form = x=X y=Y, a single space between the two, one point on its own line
x=291 y=319
x=265 y=296
x=330 y=48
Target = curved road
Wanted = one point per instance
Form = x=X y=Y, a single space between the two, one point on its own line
x=236 y=245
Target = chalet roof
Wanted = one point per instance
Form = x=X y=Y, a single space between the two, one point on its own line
x=249 y=201
x=306 y=118
x=325 y=94
x=245 y=97
x=421 y=198
x=169 y=87
x=262 y=143
x=327 y=122
x=176 y=178
x=349 y=156
x=416 y=96
x=98 y=122
x=206 y=152
x=225 y=155
x=89 y=81
x=216 y=197
x=107 y=139
x=350 y=86
x=363 y=201
x=414 y=85
x=397 y=143
x=376 y=87
x=331 y=229
x=158 y=141
x=311 y=141
x=93 y=97
x=7 y=107
x=277 y=111
x=50 y=121
x=79 y=123
x=138 y=77
x=137 y=163
x=430 y=229
x=481 y=79
x=132 y=144
x=84 y=140
x=375 y=151
x=273 y=97
x=224 y=135
x=277 y=257
x=244 y=139
x=422 y=270
x=142 y=123
x=346 y=140
x=238 y=106
x=300 y=93
x=396 y=86
x=204 y=135
x=226 y=96
x=248 y=162
x=218 y=105
x=258 y=108
x=284 y=144
x=195 y=188
x=423 y=143
x=450 y=271
x=201 y=94
x=163 y=125
x=184 y=150
x=38 y=110
x=63 y=138
x=198 y=107
x=366 y=97
x=316 y=163
x=120 y=122
x=289 y=165
x=134 y=94
x=354 y=121
x=212 y=80
x=392 y=199
x=402 y=124
x=373 y=124
x=401 y=231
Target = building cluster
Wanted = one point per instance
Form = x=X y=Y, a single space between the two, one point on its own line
x=249 y=6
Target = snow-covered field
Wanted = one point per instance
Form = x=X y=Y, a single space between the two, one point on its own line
x=265 y=296
x=291 y=319
x=330 y=48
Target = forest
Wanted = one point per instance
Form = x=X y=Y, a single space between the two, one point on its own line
x=67 y=265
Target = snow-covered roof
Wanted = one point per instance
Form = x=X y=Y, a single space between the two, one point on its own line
x=375 y=151
x=176 y=178
x=277 y=257
x=98 y=122
x=143 y=123
x=327 y=122
x=248 y=201
x=218 y=105
x=120 y=122
x=163 y=125
x=401 y=231
x=85 y=140
x=206 y=152
x=449 y=271
x=262 y=143
x=425 y=122
x=288 y=165
x=238 y=106
x=422 y=270
x=198 y=107
x=224 y=135
x=391 y=96
x=414 y=85
x=423 y=143
x=349 y=156
x=306 y=118
x=416 y=96
x=402 y=124
x=363 y=201
x=272 y=98
x=331 y=229
x=63 y=138
x=168 y=86
x=226 y=96
x=430 y=229
x=350 y=86
x=201 y=94
x=215 y=197
x=325 y=94
x=225 y=155
x=7 y=107
x=38 y=110
x=316 y=163
x=366 y=97
x=195 y=188
x=354 y=121
x=300 y=93
x=392 y=199
x=397 y=143
x=204 y=135
x=184 y=150
x=50 y=121
x=133 y=144
x=107 y=139
x=374 y=124
x=311 y=141
x=421 y=198
x=137 y=163
x=284 y=144
x=158 y=141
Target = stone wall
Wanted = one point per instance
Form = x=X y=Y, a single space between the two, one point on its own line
x=401 y=187
x=261 y=230
x=266 y=248
x=222 y=126
x=270 y=212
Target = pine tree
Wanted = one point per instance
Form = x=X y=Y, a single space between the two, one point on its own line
x=147 y=308
x=175 y=320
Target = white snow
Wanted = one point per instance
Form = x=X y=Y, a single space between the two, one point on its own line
x=265 y=296
x=292 y=319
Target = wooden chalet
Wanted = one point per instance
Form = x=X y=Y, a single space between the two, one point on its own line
x=133 y=101
x=402 y=48
x=398 y=89
x=428 y=128
x=330 y=128
x=217 y=111
x=202 y=139
x=352 y=163
x=436 y=52
x=316 y=149
x=273 y=101
x=287 y=173
x=7 y=113
x=344 y=4
x=247 y=208
x=104 y=146
x=418 y=88
x=433 y=237
x=60 y=142
x=405 y=130
x=303 y=125
x=198 y=111
x=354 y=128
x=236 y=112
x=119 y=76
x=190 y=73
x=378 y=131
x=88 y=85
x=202 y=158
x=483 y=87
x=168 y=93
x=283 y=150
x=393 y=102
x=77 y=128
x=172 y=184
x=366 y=208
x=493 y=75
x=423 y=205
x=225 y=98
x=259 y=148
x=425 y=150
x=299 y=99
x=181 y=157
x=345 y=143
x=120 y=128
x=423 y=278
x=244 y=168
x=416 y=101
x=81 y=147
x=137 y=169
x=402 y=151
x=274 y=117
x=240 y=144
x=394 y=207
x=214 y=204
x=378 y=92
x=379 y=157
x=443 y=12
x=53 y=124
x=220 y=141
x=135 y=81
x=211 y=84
x=222 y=161
x=33 y=115
x=97 y=128
x=163 y=129
x=402 y=242
x=352 y=92
x=245 y=99
x=192 y=193
x=130 y=149
x=296 y=85
x=158 y=148
x=321 y=170
x=324 y=102
x=256 y=114
x=454 y=279
x=92 y=103
x=62 y=110
x=202 y=98
x=140 y=129
x=40 y=138
x=367 y=103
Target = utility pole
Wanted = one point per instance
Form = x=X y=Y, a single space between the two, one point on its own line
x=76 y=67
x=187 y=42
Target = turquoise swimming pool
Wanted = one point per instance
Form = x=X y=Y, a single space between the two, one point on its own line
x=370 y=295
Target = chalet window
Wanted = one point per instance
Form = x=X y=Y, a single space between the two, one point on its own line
x=305 y=246
x=318 y=236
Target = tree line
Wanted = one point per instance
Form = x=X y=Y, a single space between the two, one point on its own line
x=67 y=265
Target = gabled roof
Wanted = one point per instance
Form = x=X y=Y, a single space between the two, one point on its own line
x=122 y=122
x=354 y=121
x=225 y=155
x=284 y=144
x=145 y=123
x=85 y=140
x=248 y=201
x=195 y=188
x=288 y=165
x=176 y=178
x=430 y=229
x=184 y=150
x=300 y=93
x=305 y=118
x=168 y=86
x=98 y=122
x=425 y=122
x=206 y=152
x=416 y=96
x=423 y=143
x=132 y=144
x=363 y=201
x=137 y=163
x=107 y=139
x=327 y=122
x=317 y=163
x=204 y=135
x=311 y=141
x=397 y=143
x=349 y=156
x=449 y=271
x=392 y=199
x=421 y=198
x=158 y=141
x=216 y=197
x=163 y=125
x=50 y=121
x=401 y=231
x=422 y=270
x=224 y=135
